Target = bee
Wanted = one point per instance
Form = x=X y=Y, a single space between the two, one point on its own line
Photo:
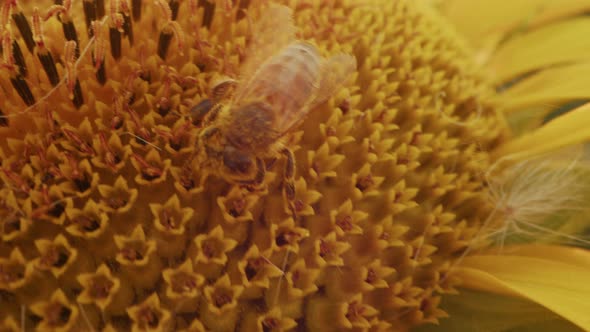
x=281 y=80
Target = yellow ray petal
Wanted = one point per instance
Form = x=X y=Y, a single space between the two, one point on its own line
x=561 y=286
x=550 y=88
x=474 y=311
x=566 y=130
x=483 y=18
x=477 y=19
x=557 y=43
x=568 y=255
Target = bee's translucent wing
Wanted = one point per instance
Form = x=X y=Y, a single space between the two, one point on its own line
x=287 y=82
x=272 y=31
x=287 y=75
x=333 y=74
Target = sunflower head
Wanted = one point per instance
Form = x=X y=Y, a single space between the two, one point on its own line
x=113 y=189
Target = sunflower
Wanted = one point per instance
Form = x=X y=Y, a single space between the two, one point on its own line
x=444 y=178
x=544 y=106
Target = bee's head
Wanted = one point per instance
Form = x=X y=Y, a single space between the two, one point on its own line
x=229 y=161
x=237 y=162
x=210 y=145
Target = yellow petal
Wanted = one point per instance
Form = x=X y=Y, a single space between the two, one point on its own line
x=566 y=130
x=550 y=87
x=559 y=285
x=568 y=255
x=473 y=311
x=480 y=20
x=477 y=19
x=558 y=43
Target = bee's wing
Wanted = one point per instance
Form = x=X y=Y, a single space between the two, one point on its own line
x=273 y=31
x=287 y=82
x=333 y=74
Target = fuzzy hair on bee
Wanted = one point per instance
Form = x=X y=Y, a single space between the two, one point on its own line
x=281 y=80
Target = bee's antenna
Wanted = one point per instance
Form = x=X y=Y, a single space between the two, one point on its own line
x=141 y=139
x=23 y=311
x=283 y=268
x=86 y=320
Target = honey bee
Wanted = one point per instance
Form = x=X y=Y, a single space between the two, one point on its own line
x=281 y=81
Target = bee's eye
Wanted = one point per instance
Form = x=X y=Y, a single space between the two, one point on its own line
x=236 y=161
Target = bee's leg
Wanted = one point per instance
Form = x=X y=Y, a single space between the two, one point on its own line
x=205 y=112
x=289 y=179
x=209 y=132
x=289 y=194
x=259 y=179
x=212 y=115
x=199 y=148
x=260 y=172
